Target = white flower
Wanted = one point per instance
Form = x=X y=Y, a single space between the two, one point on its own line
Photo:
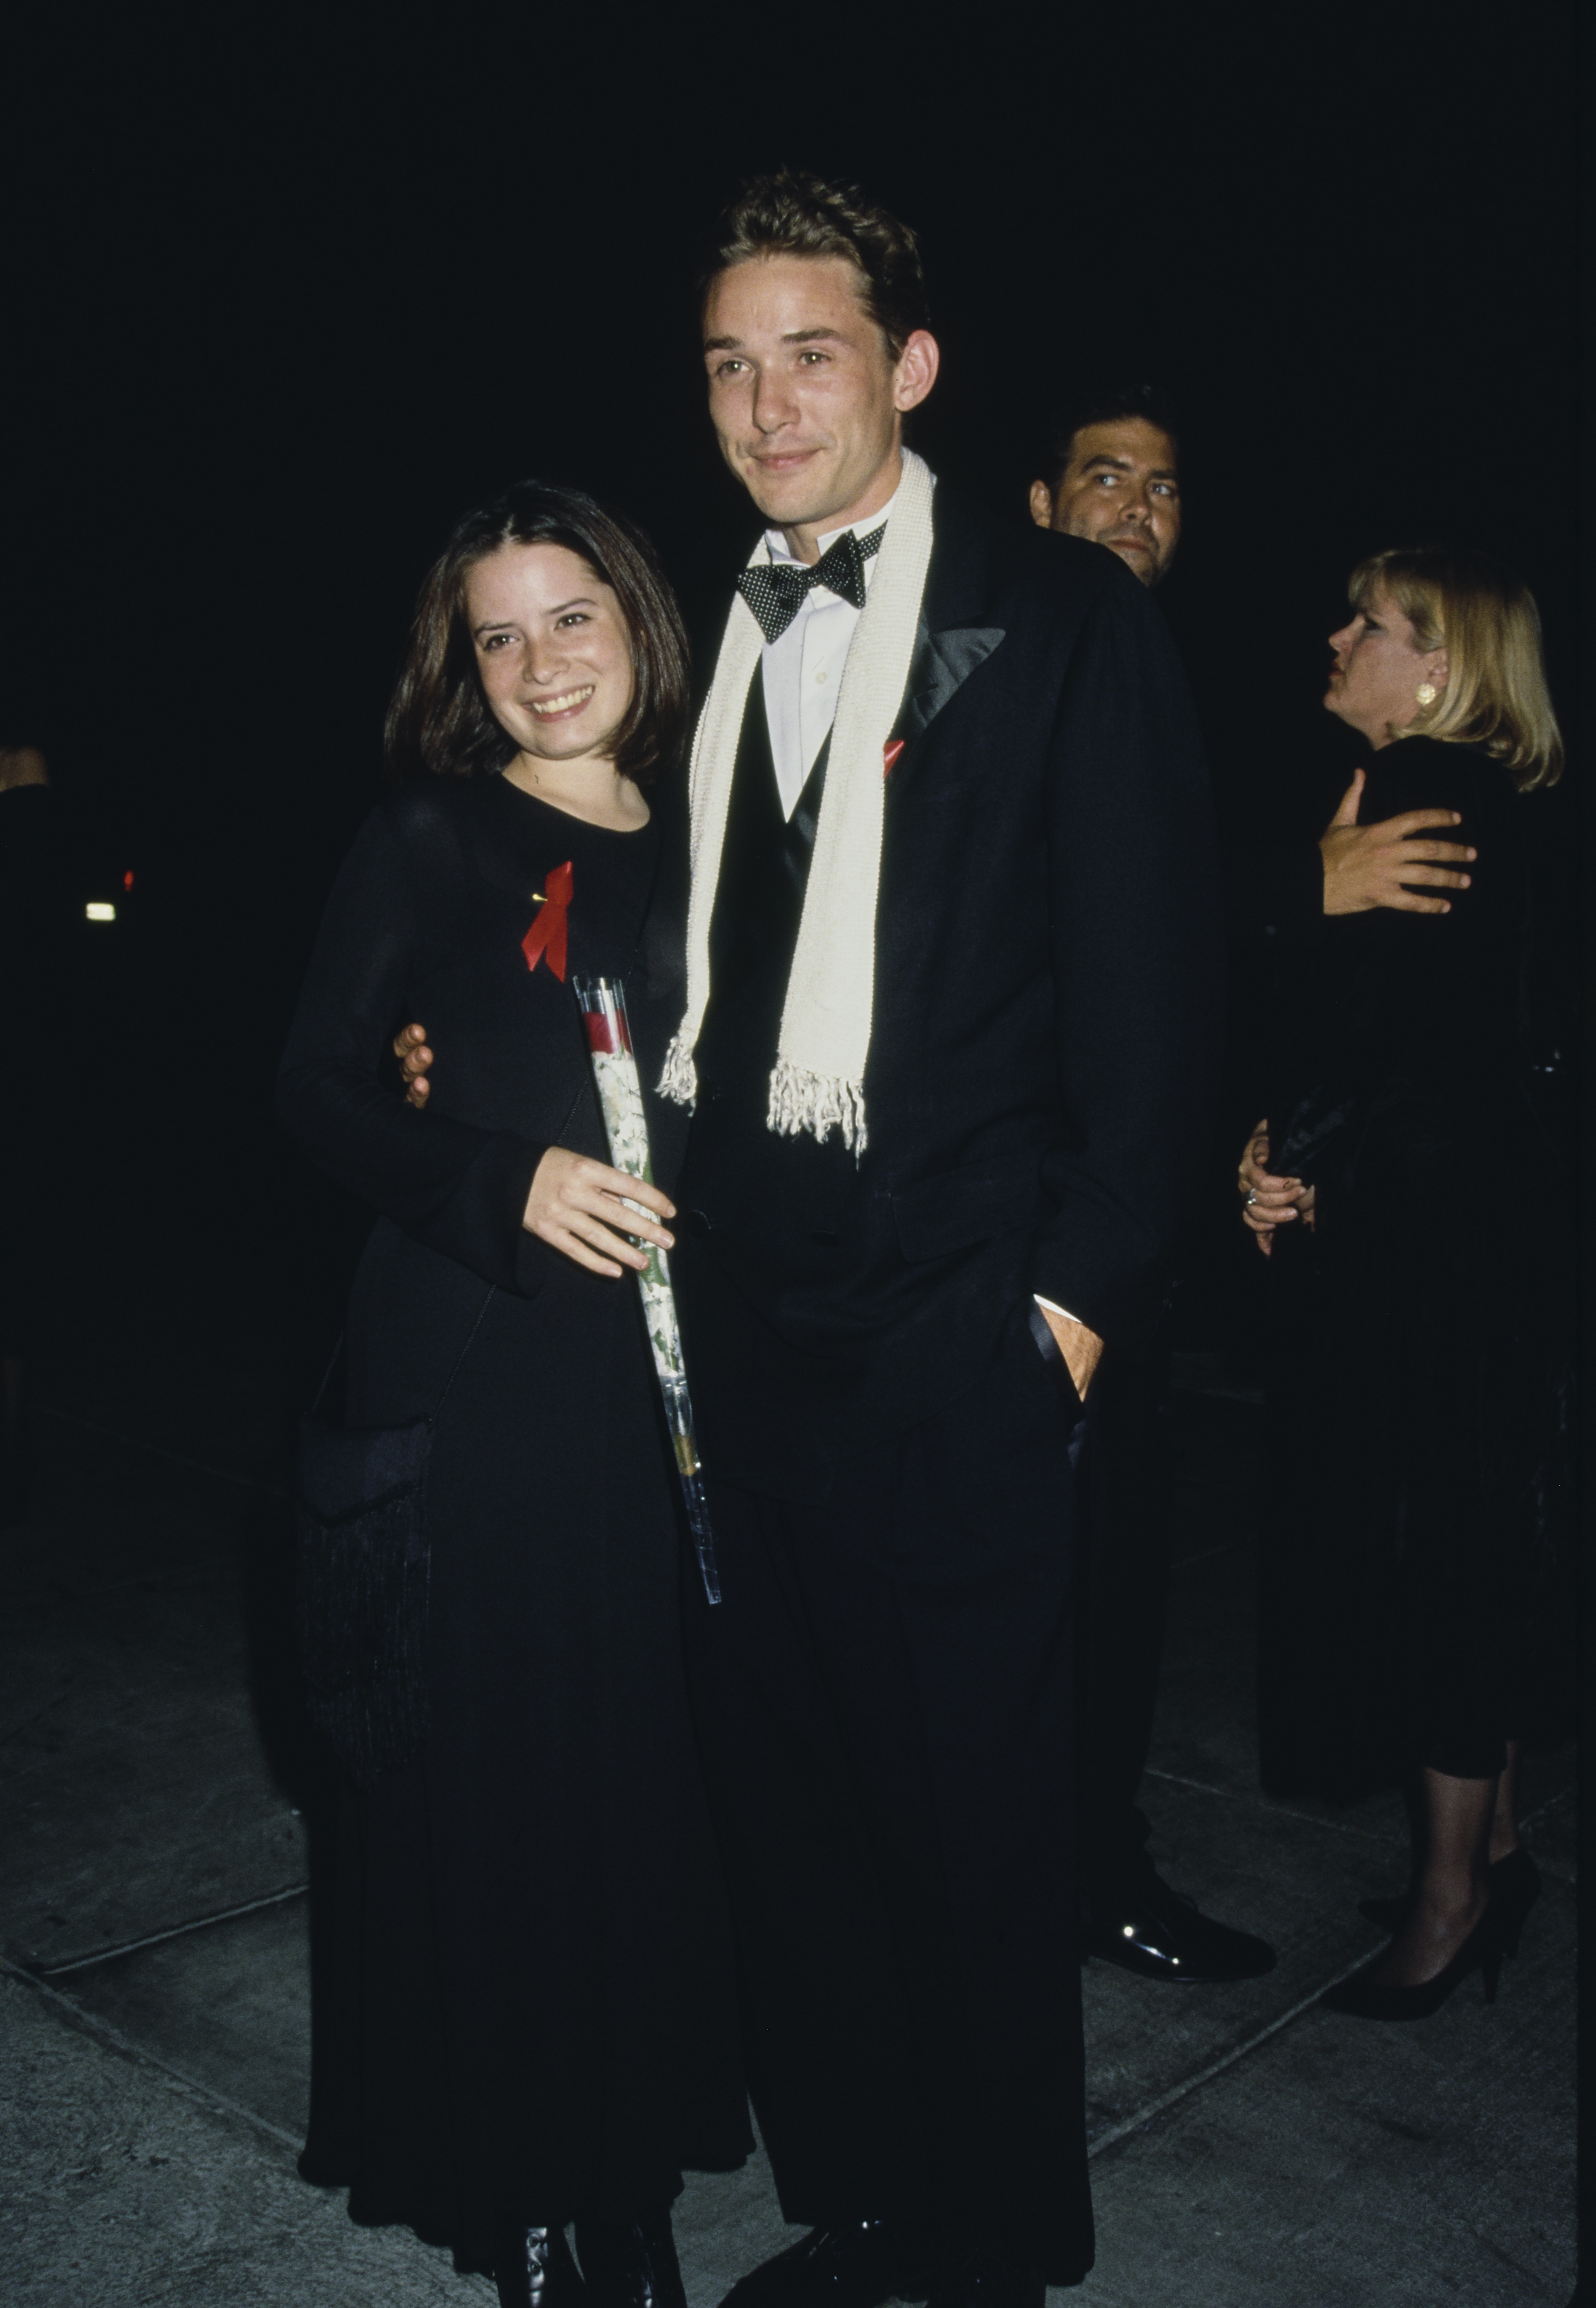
x=625 y=1125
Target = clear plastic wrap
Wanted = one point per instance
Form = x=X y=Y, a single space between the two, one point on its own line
x=602 y=1002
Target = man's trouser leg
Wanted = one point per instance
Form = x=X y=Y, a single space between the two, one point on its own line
x=885 y=1700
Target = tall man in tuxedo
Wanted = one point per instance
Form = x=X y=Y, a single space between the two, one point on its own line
x=948 y=1072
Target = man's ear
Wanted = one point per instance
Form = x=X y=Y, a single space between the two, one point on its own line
x=1041 y=504
x=914 y=373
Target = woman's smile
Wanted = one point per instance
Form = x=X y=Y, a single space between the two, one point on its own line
x=554 y=659
x=563 y=707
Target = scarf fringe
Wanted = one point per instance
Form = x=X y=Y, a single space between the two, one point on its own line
x=817 y=1103
x=679 y=1081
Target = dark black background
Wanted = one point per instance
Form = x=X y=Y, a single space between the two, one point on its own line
x=284 y=294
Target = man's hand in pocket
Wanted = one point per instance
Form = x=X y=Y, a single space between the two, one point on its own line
x=1081 y=1348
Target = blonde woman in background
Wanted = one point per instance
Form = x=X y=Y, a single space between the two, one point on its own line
x=1418 y=1404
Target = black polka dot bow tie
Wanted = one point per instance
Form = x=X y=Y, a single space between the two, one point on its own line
x=775 y=591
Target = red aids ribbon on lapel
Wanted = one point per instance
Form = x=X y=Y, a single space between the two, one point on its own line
x=547 y=935
x=889 y=755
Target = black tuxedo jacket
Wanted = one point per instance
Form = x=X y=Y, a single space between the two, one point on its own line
x=1044 y=1022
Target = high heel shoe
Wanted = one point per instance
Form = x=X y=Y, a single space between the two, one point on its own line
x=1516 y=1886
x=535 y=2269
x=630 y=2263
x=1363 y=1998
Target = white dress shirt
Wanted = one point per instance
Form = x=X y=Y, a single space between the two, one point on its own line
x=803 y=670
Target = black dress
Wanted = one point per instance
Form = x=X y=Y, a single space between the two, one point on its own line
x=528 y=2013
x=1419 y=1413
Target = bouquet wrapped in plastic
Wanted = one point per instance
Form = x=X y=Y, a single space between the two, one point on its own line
x=602 y=1002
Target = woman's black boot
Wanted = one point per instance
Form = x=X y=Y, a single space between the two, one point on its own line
x=535 y=2269
x=631 y=2263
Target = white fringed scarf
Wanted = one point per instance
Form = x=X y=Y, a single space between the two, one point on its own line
x=818 y=1083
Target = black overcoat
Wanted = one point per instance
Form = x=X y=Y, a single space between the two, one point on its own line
x=1419 y=1409
x=529 y=2012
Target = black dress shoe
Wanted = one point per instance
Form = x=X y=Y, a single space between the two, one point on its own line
x=1161 y=1934
x=630 y=2263
x=987 y=2281
x=535 y=2269
x=854 y=2266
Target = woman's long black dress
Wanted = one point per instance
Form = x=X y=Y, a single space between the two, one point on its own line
x=529 y=2012
x=1416 y=1544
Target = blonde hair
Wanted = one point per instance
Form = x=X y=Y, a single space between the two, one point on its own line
x=1485 y=619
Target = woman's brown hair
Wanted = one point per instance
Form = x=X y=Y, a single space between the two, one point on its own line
x=1485 y=619
x=439 y=724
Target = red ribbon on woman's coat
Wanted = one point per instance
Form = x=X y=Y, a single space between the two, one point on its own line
x=547 y=935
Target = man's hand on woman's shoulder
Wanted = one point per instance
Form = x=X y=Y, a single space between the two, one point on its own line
x=1371 y=865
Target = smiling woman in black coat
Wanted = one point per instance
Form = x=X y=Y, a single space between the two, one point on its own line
x=1419 y=1407
x=530 y=2020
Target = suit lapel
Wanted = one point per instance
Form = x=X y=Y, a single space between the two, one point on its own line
x=958 y=631
x=943 y=663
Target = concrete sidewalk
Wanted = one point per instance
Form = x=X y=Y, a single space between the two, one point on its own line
x=1250 y=2150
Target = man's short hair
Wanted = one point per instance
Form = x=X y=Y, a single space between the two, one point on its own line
x=793 y=213
x=1109 y=404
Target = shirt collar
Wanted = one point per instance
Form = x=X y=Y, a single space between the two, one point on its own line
x=828 y=537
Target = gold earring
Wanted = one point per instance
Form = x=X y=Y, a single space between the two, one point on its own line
x=1428 y=692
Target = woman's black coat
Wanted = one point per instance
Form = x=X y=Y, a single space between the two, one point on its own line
x=1419 y=1407
x=530 y=2014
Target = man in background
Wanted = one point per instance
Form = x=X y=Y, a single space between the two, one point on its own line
x=1112 y=474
